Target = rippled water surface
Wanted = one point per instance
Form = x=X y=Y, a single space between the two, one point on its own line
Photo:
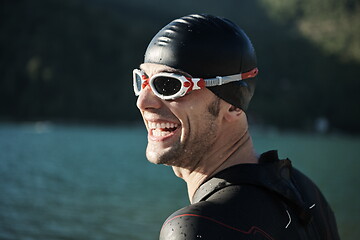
x=93 y=182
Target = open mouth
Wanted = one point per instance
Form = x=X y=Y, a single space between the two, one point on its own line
x=163 y=129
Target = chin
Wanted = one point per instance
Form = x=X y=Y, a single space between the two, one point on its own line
x=154 y=157
x=164 y=158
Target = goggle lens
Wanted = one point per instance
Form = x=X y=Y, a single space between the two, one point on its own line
x=138 y=82
x=166 y=86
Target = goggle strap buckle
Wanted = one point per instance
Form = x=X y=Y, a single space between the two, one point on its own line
x=211 y=82
x=233 y=78
x=220 y=80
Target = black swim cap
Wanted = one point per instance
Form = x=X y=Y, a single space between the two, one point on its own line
x=207 y=46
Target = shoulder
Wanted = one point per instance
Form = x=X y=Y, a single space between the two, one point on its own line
x=322 y=214
x=213 y=220
x=192 y=222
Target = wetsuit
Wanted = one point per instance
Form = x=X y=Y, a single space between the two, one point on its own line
x=267 y=201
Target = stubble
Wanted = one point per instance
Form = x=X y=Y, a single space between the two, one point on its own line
x=192 y=150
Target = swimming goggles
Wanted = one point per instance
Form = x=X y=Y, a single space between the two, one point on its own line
x=169 y=86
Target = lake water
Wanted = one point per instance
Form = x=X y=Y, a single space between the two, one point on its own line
x=93 y=182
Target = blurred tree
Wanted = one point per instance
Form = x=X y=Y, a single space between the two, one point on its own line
x=72 y=59
x=333 y=25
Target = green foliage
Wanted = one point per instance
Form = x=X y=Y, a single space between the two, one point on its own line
x=72 y=59
x=333 y=25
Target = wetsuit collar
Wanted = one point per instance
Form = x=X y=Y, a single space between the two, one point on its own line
x=224 y=178
x=270 y=174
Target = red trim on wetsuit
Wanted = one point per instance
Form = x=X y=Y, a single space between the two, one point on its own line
x=251 y=230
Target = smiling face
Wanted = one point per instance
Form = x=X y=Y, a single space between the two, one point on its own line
x=181 y=131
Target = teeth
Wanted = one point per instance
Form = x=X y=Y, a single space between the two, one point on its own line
x=161 y=129
x=153 y=125
x=159 y=133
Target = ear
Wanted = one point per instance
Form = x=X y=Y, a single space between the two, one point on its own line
x=233 y=113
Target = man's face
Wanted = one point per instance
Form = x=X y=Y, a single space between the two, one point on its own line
x=181 y=131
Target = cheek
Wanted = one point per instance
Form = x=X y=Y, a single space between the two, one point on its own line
x=199 y=126
x=195 y=112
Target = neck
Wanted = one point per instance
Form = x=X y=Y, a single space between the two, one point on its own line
x=220 y=158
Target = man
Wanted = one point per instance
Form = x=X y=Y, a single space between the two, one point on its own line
x=193 y=88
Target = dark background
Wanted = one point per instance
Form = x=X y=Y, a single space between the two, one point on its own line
x=72 y=60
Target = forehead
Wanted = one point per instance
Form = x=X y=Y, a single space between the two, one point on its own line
x=151 y=69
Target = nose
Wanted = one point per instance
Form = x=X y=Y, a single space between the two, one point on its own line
x=148 y=100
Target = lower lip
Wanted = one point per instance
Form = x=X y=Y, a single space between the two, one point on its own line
x=161 y=138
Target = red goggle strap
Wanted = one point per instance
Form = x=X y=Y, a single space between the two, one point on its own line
x=250 y=74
